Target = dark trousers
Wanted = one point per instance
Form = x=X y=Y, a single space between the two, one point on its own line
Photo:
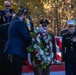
x=4 y=65
x=16 y=65
x=42 y=71
x=70 y=69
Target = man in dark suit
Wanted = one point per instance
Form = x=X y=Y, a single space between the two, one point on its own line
x=3 y=38
x=18 y=38
x=69 y=49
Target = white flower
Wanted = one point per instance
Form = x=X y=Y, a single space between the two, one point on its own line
x=41 y=52
x=51 y=45
x=33 y=39
x=38 y=47
x=38 y=40
x=46 y=49
x=45 y=59
x=35 y=46
x=38 y=35
x=52 y=54
x=37 y=55
x=46 y=53
x=47 y=46
x=48 y=58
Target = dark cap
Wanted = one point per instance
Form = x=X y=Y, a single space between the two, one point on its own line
x=44 y=22
x=22 y=9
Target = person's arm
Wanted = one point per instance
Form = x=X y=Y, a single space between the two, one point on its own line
x=23 y=31
x=12 y=11
x=54 y=46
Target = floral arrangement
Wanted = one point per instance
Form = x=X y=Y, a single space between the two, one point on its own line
x=41 y=47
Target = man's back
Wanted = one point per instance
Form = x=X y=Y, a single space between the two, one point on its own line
x=17 y=37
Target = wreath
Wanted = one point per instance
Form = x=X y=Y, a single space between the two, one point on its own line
x=41 y=47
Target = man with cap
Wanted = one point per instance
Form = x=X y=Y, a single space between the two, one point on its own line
x=18 y=38
x=37 y=69
x=69 y=49
x=44 y=21
x=64 y=31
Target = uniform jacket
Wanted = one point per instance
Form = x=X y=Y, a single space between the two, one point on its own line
x=64 y=31
x=18 y=38
x=69 y=48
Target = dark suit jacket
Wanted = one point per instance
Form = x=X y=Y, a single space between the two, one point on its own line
x=3 y=38
x=18 y=38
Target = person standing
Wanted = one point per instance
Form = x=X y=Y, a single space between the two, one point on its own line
x=29 y=21
x=37 y=69
x=15 y=47
x=8 y=12
x=69 y=49
x=30 y=26
x=3 y=38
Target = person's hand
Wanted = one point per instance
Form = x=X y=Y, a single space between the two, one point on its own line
x=53 y=61
x=33 y=64
x=63 y=63
x=8 y=14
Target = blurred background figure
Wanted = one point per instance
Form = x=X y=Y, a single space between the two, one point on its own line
x=8 y=12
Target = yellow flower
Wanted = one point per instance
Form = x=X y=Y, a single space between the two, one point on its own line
x=44 y=66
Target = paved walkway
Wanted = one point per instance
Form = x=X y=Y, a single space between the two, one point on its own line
x=51 y=73
x=55 y=70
